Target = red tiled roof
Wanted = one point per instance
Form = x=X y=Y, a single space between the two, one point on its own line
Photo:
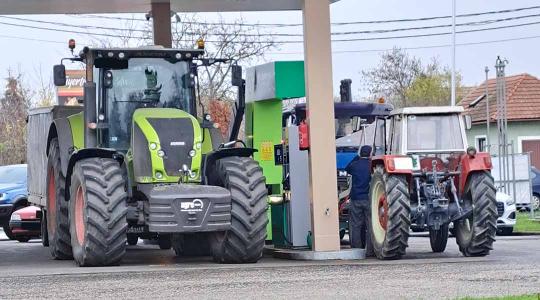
x=522 y=94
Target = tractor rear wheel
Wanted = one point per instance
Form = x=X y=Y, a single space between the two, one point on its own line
x=438 y=238
x=244 y=242
x=98 y=212
x=476 y=233
x=57 y=213
x=390 y=214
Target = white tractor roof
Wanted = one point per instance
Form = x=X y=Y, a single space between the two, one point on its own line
x=428 y=110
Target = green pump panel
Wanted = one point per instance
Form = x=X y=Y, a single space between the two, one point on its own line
x=267 y=86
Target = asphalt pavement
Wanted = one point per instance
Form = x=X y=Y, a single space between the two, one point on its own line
x=513 y=268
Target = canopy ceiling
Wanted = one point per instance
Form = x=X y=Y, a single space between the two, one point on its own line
x=23 y=7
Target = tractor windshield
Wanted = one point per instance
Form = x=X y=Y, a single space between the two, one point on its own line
x=147 y=83
x=441 y=133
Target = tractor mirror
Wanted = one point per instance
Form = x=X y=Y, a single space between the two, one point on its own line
x=468 y=121
x=236 y=75
x=59 y=74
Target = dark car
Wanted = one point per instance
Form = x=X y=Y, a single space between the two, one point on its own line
x=13 y=193
x=535 y=176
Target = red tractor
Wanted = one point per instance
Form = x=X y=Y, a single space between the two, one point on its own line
x=425 y=176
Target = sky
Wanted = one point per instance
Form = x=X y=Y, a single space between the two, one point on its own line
x=519 y=45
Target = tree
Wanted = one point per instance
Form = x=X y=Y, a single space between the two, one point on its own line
x=404 y=81
x=13 y=107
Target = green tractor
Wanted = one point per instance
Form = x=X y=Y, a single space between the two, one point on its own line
x=136 y=161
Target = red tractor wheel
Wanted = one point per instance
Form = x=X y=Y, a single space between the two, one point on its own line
x=390 y=214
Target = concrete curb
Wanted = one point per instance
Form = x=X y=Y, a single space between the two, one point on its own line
x=524 y=233
x=343 y=254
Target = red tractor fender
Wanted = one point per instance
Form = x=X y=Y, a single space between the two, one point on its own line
x=470 y=164
x=393 y=164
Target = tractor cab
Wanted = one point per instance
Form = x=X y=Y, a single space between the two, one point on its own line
x=432 y=136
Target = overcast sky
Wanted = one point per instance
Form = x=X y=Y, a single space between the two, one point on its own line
x=523 y=54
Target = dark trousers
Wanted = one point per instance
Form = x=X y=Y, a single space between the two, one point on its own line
x=359 y=214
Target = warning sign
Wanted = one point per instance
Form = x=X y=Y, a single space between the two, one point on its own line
x=267 y=151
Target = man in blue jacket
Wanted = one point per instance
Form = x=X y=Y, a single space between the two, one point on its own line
x=359 y=212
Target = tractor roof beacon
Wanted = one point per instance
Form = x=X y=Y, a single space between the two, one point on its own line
x=425 y=176
x=137 y=161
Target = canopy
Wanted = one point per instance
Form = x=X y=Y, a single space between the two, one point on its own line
x=12 y=7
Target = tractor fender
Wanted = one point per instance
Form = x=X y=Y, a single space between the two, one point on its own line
x=89 y=153
x=65 y=141
x=211 y=158
x=471 y=164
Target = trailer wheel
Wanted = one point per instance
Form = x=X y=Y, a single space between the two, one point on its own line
x=390 y=214
x=244 y=242
x=98 y=212
x=44 y=234
x=438 y=238
x=57 y=213
x=476 y=233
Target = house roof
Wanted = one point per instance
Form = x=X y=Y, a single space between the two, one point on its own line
x=522 y=93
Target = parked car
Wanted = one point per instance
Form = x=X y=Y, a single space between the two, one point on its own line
x=535 y=178
x=506 y=210
x=25 y=224
x=13 y=193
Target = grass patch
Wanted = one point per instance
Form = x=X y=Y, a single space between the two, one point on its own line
x=520 y=297
x=525 y=224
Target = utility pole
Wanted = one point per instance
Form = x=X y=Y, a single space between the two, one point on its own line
x=453 y=52
x=488 y=118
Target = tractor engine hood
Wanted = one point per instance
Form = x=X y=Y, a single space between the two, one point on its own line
x=166 y=146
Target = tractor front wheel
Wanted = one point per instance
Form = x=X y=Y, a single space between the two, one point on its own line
x=244 y=242
x=98 y=212
x=438 y=238
x=476 y=233
x=390 y=214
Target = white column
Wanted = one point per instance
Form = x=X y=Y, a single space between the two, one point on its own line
x=320 y=103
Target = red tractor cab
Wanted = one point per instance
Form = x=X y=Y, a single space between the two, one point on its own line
x=424 y=175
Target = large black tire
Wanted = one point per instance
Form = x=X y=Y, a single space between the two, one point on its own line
x=57 y=212
x=475 y=234
x=244 y=242
x=438 y=238
x=389 y=220
x=98 y=212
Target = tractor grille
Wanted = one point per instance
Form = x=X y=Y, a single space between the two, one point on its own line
x=176 y=139
x=500 y=208
x=142 y=166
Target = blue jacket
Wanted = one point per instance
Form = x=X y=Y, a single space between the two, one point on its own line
x=359 y=169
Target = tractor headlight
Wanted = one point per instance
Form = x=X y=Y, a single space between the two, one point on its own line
x=198 y=145
x=193 y=174
x=192 y=152
x=161 y=153
x=159 y=175
x=153 y=146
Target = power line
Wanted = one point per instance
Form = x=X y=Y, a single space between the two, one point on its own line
x=334 y=52
x=284 y=41
x=378 y=31
x=334 y=23
x=418 y=47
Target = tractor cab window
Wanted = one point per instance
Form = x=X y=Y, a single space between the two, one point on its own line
x=346 y=126
x=146 y=83
x=434 y=133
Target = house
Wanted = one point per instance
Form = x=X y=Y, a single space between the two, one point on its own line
x=523 y=112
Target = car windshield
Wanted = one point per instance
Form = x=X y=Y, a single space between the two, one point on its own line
x=12 y=174
x=147 y=83
x=434 y=133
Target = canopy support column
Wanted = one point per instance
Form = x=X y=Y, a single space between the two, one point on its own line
x=320 y=104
